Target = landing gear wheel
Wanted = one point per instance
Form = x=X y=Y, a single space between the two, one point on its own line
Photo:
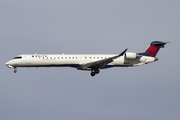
x=97 y=71
x=15 y=71
x=93 y=74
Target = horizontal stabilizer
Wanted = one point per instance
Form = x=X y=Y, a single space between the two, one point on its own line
x=159 y=43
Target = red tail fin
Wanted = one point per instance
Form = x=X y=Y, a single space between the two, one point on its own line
x=154 y=48
x=152 y=51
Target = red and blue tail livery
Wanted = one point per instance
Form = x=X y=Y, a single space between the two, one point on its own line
x=154 y=48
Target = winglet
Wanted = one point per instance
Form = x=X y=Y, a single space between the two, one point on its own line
x=122 y=53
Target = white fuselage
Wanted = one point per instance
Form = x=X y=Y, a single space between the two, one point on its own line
x=74 y=60
x=90 y=62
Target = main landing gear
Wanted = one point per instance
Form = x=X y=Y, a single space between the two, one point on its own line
x=94 y=72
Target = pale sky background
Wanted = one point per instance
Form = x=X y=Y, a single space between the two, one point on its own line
x=148 y=92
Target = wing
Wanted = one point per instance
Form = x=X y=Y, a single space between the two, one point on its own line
x=101 y=63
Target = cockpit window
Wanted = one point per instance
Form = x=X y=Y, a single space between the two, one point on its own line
x=17 y=57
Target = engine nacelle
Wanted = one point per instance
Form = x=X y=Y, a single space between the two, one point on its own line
x=131 y=55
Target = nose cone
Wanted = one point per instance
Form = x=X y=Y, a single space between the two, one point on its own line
x=9 y=64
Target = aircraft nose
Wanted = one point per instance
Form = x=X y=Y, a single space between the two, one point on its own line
x=9 y=64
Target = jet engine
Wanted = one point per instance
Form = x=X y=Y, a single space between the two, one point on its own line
x=131 y=55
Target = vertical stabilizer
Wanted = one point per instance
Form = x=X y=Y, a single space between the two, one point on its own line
x=153 y=48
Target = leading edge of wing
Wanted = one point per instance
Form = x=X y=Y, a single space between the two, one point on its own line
x=103 y=62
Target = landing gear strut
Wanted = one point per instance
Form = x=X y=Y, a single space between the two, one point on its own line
x=94 y=72
x=15 y=70
x=97 y=71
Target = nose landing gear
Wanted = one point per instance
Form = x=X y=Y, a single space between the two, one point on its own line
x=15 y=70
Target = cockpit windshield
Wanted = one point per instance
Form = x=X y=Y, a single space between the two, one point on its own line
x=19 y=57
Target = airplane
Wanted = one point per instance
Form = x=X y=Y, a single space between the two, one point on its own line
x=88 y=62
